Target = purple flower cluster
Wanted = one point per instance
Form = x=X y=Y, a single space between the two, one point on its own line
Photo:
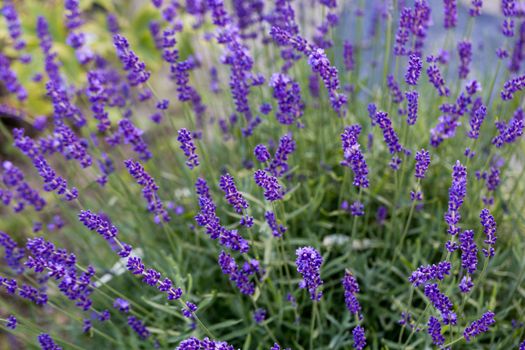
x=465 y=57
x=353 y=156
x=450 y=14
x=479 y=326
x=52 y=182
x=59 y=265
x=235 y=198
x=412 y=106
x=351 y=288
x=13 y=254
x=309 y=263
x=476 y=120
x=47 y=343
x=14 y=27
x=435 y=77
x=205 y=344
x=18 y=189
x=130 y=134
x=441 y=302
x=389 y=134
x=288 y=95
x=272 y=189
x=358 y=334
x=277 y=229
x=510 y=131
x=415 y=65
x=9 y=79
x=208 y=219
x=429 y=273
x=137 y=73
x=348 y=55
x=416 y=22
x=434 y=330
x=149 y=190
x=395 y=90
x=512 y=86
x=508 y=8
x=279 y=164
x=422 y=163
x=456 y=193
x=317 y=60
x=138 y=327
x=469 y=251
x=261 y=153
x=489 y=228
x=240 y=276
x=188 y=147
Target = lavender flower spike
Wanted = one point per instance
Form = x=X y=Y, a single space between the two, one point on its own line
x=359 y=338
x=422 y=163
x=415 y=64
x=187 y=145
x=412 y=101
x=353 y=156
x=234 y=197
x=389 y=134
x=270 y=184
x=434 y=329
x=457 y=193
x=308 y=265
x=137 y=73
x=489 y=228
x=469 y=251
x=351 y=288
x=479 y=326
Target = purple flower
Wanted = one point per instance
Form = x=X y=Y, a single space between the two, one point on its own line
x=241 y=277
x=351 y=288
x=272 y=189
x=357 y=209
x=511 y=131
x=9 y=79
x=279 y=164
x=430 y=272
x=137 y=73
x=11 y=322
x=456 y=193
x=13 y=25
x=261 y=153
x=479 y=326
x=395 y=91
x=208 y=218
x=277 y=229
x=205 y=344
x=47 y=343
x=422 y=163
x=233 y=196
x=476 y=120
x=259 y=315
x=403 y=31
x=509 y=10
x=389 y=134
x=469 y=251
x=415 y=64
x=353 y=156
x=99 y=223
x=441 y=302
x=189 y=310
x=512 y=86
x=308 y=265
x=475 y=10
x=121 y=305
x=465 y=286
x=18 y=189
x=465 y=57
x=288 y=95
x=112 y=23
x=52 y=182
x=359 y=338
x=451 y=14
x=138 y=327
x=435 y=77
x=149 y=190
x=188 y=147
x=348 y=56
x=489 y=228
x=130 y=134
x=434 y=330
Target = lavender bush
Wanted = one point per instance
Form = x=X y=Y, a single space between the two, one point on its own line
x=251 y=174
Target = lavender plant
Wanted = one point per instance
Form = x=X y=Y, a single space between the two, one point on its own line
x=284 y=174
